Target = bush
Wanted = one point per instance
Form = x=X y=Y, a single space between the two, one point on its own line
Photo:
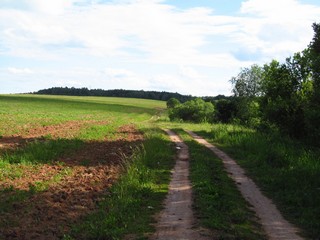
x=225 y=110
x=196 y=110
x=173 y=102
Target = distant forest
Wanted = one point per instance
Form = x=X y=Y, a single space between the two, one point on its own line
x=155 y=95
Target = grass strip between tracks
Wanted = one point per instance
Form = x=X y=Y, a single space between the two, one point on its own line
x=217 y=202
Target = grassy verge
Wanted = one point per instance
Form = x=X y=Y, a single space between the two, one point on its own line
x=219 y=205
x=136 y=197
x=288 y=172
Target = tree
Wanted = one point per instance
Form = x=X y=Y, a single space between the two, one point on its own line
x=225 y=110
x=172 y=103
x=281 y=103
x=248 y=82
x=246 y=89
x=313 y=113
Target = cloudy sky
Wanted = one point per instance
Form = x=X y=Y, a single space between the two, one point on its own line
x=186 y=46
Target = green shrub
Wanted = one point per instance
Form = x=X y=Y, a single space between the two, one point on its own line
x=173 y=102
x=196 y=110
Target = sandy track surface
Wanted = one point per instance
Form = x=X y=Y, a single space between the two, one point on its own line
x=176 y=221
x=275 y=226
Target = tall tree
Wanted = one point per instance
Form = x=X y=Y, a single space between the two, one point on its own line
x=246 y=89
x=248 y=82
x=313 y=117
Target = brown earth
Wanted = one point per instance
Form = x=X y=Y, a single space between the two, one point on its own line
x=50 y=213
x=177 y=220
x=67 y=130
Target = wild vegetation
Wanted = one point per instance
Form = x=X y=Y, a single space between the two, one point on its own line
x=164 y=96
x=284 y=96
x=277 y=96
x=196 y=110
x=274 y=131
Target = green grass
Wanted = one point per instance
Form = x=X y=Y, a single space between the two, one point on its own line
x=287 y=171
x=136 y=197
x=40 y=152
x=140 y=190
x=218 y=203
x=18 y=113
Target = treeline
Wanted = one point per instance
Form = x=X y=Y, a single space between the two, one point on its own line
x=164 y=96
x=276 y=96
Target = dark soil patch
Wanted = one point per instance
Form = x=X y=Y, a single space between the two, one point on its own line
x=51 y=213
x=67 y=130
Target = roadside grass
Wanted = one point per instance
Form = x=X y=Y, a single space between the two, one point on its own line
x=218 y=203
x=129 y=207
x=288 y=172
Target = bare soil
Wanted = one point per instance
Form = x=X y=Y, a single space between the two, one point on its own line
x=51 y=213
x=275 y=226
x=177 y=221
x=67 y=130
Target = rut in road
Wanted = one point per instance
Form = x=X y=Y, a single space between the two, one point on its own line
x=275 y=226
x=176 y=221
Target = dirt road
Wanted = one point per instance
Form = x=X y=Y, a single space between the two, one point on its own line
x=176 y=221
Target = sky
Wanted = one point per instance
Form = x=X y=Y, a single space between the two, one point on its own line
x=191 y=47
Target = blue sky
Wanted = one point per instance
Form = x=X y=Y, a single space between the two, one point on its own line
x=186 y=46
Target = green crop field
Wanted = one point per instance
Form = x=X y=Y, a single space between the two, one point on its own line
x=60 y=157
x=20 y=113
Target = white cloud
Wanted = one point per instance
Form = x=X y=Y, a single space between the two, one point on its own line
x=277 y=28
x=151 y=33
x=189 y=72
x=281 y=11
x=14 y=70
x=47 y=7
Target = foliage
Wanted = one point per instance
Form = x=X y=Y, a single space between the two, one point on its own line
x=285 y=95
x=281 y=103
x=313 y=113
x=163 y=96
x=225 y=110
x=172 y=103
x=248 y=82
x=246 y=89
x=196 y=110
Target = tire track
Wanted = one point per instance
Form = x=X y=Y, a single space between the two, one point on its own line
x=176 y=221
x=275 y=226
